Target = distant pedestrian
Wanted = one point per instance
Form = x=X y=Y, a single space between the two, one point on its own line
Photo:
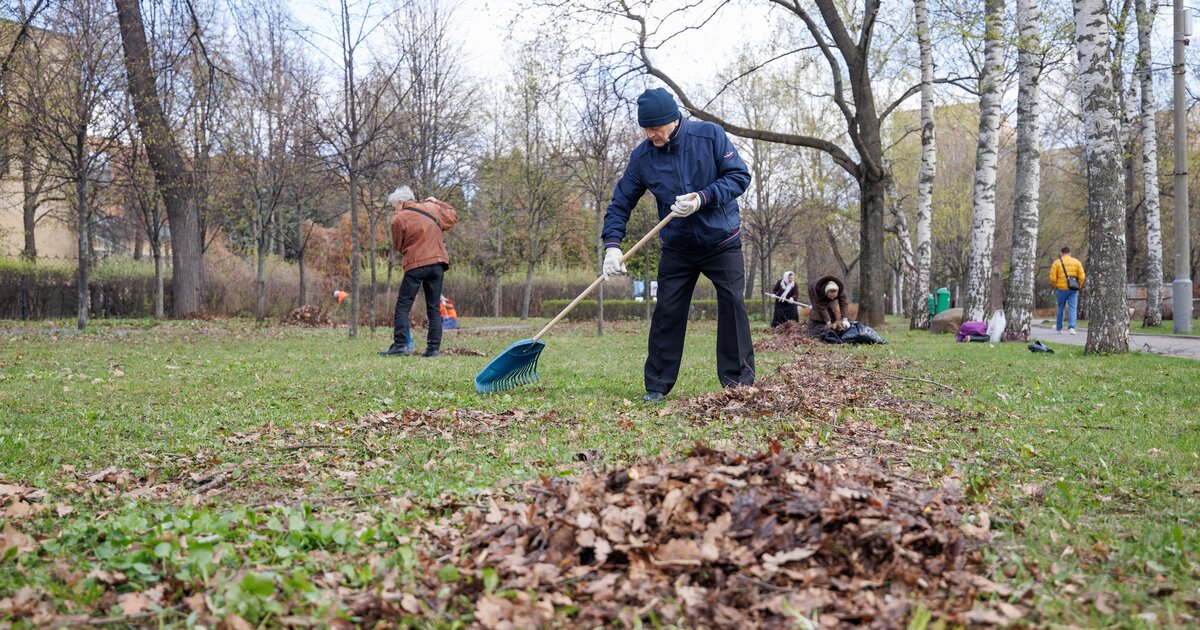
x=1066 y=274
x=417 y=231
x=830 y=306
x=786 y=290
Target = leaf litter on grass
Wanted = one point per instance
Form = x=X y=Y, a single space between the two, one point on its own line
x=850 y=537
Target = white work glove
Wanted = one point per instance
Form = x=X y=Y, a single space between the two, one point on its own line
x=685 y=205
x=845 y=323
x=612 y=263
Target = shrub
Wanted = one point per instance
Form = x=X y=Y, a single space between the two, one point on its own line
x=623 y=309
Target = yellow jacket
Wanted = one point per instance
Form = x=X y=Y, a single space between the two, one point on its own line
x=1073 y=268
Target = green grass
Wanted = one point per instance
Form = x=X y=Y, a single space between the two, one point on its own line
x=1087 y=464
x=1136 y=327
x=1165 y=328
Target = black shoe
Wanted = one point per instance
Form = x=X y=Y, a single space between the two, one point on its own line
x=397 y=350
x=431 y=353
x=653 y=398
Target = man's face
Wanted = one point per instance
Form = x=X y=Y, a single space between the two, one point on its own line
x=658 y=136
x=831 y=294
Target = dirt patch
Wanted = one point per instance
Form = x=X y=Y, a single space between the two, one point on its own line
x=718 y=538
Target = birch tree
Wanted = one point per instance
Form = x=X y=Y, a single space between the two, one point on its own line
x=923 y=256
x=1108 y=323
x=1154 y=253
x=983 y=225
x=1018 y=293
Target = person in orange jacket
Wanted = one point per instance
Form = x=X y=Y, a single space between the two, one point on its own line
x=1066 y=275
x=417 y=231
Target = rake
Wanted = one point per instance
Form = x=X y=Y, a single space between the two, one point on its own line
x=783 y=299
x=517 y=365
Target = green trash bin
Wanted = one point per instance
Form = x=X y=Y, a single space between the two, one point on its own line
x=943 y=300
x=932 y=305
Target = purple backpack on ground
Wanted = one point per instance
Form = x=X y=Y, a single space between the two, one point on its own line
x=966 y=329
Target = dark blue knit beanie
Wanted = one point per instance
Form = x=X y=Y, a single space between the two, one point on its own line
x=656 y=107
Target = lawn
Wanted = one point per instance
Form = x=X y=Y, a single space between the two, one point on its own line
x=245 y=465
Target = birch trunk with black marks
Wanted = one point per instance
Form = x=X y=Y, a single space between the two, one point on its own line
x=1154 y=253
x=1108 y=322
x=1018 y=291
x=983 y=225
x=923 y=257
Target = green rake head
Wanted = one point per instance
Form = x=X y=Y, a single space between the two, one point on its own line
x=514 y=367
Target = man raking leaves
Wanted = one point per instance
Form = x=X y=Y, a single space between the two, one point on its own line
x=696 y=176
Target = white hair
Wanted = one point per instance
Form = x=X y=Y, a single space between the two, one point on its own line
x=400 y=195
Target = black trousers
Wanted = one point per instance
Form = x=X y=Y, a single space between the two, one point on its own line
x=784 y=312
x=429 y=277
x=678 y=271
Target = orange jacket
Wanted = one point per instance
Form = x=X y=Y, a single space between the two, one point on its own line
x=1071 y=266
x=417 y=237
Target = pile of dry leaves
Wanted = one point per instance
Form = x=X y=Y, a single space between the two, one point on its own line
x=820 y=384
x=719 y=539
x=308 y=315
x=786 y=337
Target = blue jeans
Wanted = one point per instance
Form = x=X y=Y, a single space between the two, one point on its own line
x=1069 y=299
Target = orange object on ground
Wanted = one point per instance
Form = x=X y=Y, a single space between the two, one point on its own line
x=447 y=308
x=340 y=296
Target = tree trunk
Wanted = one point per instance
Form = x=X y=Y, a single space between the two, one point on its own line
x=371 y=240
x=175 y=181
x=84 y=247
x=527 y=294
x=1154 y=253
x=599 y=204
x=158 y=280
x=260 y=279
x=983 y=225
x=31 y=198
x=1108 y=323
x=751 y=271
x=355 y=294
x=300 y=247
x=1018 y=291
x=906 y=264
x=497 y=288
x=924 y=250
x=871 y=268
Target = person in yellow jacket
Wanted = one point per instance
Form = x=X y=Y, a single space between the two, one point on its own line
x=1066 y=275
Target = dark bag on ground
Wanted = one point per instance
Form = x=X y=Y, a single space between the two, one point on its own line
x=858 y=332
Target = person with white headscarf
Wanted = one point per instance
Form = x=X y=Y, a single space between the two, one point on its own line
x=785 y=289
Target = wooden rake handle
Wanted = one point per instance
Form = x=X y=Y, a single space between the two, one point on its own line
x=783 y=299
x=592 y=287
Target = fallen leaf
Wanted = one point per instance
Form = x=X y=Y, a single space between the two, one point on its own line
x=134 y=603
x=13 y=538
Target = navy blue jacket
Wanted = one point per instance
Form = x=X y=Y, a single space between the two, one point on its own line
x=698 y=158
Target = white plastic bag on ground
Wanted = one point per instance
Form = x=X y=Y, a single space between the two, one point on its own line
x=996 y=325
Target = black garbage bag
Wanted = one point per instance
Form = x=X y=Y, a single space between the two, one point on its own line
x=858 y=332
x=830 y=335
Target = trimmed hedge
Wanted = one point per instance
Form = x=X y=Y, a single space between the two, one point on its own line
x=622 y=309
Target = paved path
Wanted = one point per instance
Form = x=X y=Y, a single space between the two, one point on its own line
x=1173 y=345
